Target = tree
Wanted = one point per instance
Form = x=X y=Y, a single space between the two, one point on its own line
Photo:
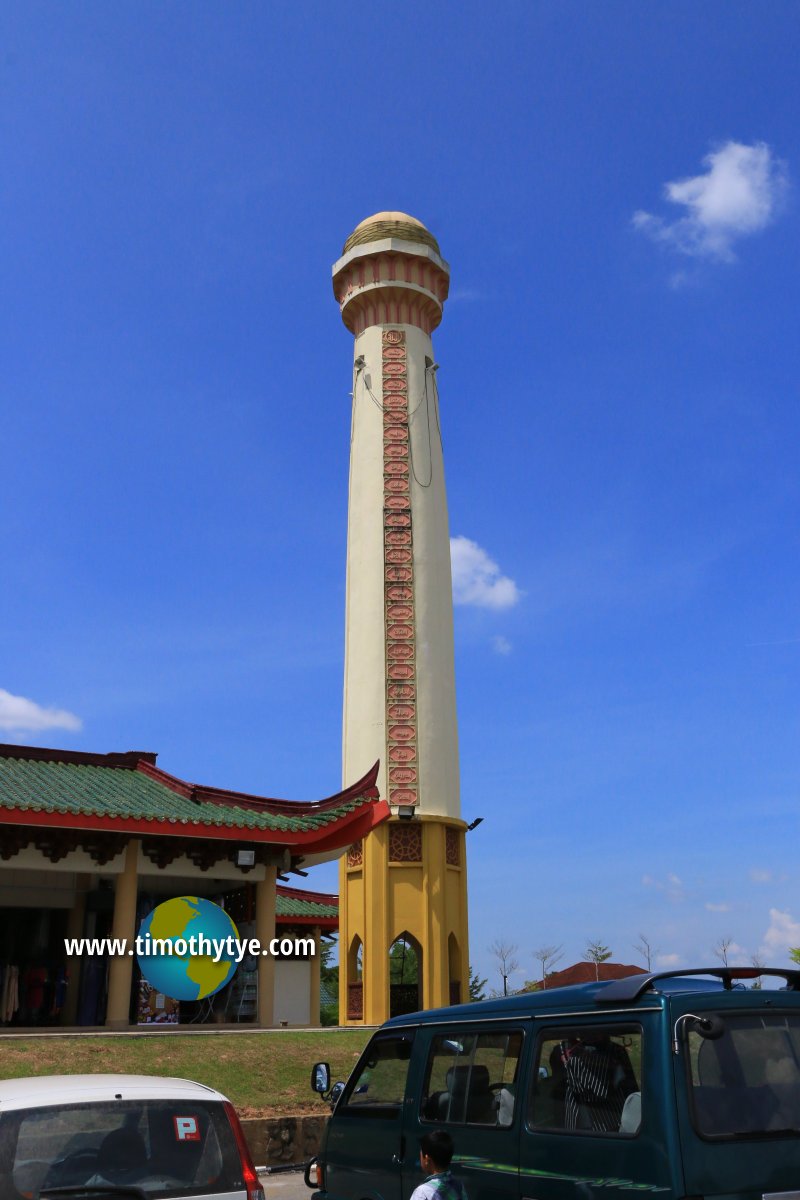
x=403 y=966
x=548 y=956
x=645 y=947
x=758 y=964
x=506 y=963
x=794 y=954
x=476 y=986
x=721 y=949
x=329 y=978
x=597 y=953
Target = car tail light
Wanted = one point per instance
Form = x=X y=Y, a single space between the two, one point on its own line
x=252 y=1186
x=315 y=1175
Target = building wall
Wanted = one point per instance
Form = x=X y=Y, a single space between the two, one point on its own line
x=292 y=992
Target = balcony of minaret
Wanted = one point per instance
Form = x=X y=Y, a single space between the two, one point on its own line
x=390 y=287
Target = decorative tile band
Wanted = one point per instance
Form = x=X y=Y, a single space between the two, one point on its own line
x=398 y=572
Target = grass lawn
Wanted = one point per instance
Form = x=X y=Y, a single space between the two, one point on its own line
x=264 y=1074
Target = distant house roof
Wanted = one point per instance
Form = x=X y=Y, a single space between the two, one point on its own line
x=296 y=906
x=127 y=793
x=588 y=972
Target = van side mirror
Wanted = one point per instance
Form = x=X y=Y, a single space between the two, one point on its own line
x=336 y=1092
x=320 y=1077
x=709 y=1026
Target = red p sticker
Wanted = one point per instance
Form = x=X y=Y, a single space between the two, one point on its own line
x=186 y=1129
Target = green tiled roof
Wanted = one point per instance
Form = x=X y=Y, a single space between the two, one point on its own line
x=294 y=906
x=79 y=789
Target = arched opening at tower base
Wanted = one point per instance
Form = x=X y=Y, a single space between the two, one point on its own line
x=454 y=969
x=405 y=975
x=355 y=978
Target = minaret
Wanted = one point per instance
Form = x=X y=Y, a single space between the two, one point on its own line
x=407 y=879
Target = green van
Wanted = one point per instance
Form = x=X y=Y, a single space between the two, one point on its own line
x=684 y=1083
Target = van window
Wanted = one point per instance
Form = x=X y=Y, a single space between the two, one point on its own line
x=378 y=1084
x=587 y=1080
x=471 y=1078
x=747 y=1081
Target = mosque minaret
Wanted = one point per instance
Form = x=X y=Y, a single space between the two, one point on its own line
x=406 y=881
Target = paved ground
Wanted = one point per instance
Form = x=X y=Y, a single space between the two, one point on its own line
x=288 y=1185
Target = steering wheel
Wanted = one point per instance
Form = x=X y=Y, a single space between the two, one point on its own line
x=80 y=1164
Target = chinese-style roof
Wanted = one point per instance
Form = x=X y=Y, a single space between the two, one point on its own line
x=128 y=793
x=296 y=906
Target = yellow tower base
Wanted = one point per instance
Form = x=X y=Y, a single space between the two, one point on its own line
x=407 y=879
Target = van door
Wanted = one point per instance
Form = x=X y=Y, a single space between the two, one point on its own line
x=598 y=1117
x=364 y=1146
x=738 y=1088
x=470 y=1088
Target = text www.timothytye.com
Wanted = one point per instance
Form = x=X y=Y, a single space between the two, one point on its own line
x=230 y=948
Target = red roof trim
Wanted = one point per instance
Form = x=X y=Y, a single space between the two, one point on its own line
x=321 y=922
x=344 y=831
x=297 y=808
x=127 y=761
x=298 y=893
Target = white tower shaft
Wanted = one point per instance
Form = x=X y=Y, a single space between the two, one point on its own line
x=399 y=690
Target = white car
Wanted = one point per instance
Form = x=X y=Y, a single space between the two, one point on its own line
x=97 y=1136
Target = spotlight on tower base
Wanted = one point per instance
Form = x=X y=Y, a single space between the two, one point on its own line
x=405 y=812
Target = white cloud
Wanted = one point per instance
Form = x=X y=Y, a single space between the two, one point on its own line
x=668 y=960
x=759 y=876
x=477 y=579
x=18 y=715
x=738 y=195
x=717 y=907
x=464 y=294
x=501 y=645
x=671 y=886
x=782 y=935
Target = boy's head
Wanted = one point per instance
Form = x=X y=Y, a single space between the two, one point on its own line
x=436 y=1150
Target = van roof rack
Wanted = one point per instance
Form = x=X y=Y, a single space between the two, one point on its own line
x=632 y=986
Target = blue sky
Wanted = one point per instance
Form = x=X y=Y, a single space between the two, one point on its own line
x=615 y=188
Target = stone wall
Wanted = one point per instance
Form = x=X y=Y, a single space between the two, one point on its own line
x=280 y=1141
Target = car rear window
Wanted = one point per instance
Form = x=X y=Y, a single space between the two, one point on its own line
x=746 y=1080
x=168 y=1147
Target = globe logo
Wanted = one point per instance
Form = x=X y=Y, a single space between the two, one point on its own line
x=183 y=948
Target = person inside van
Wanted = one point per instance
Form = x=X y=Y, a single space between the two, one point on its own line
x=435 y=1156
x=593 y=1078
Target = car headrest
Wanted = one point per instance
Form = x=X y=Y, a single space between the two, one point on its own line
x=461 y=1076
x=121 y=1150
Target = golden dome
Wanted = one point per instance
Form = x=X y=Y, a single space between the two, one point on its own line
x=391 y=224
